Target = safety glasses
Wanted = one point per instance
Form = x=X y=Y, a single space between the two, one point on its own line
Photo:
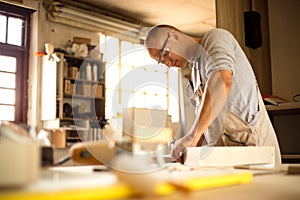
x=164 y=53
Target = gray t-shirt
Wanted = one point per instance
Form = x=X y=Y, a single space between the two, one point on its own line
x=221 y=51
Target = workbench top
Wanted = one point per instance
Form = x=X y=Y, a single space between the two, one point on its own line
x=97 y=182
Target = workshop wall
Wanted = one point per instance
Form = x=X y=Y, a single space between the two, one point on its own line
x=285 y=47
x=230 y=16
x=45 y=31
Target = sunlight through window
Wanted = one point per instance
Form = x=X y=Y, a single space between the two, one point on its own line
x=15 y=28
x=7 y=87
x=133 y=79
x=3 y=27
x=14 y=34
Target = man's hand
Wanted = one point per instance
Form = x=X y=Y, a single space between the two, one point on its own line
x=177 y=150
x=180 y=145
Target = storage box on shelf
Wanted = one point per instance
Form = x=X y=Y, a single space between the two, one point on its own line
x=80 y=98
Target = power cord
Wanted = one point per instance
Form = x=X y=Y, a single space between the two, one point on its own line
x=63 y=160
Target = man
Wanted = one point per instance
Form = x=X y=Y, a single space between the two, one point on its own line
x=229 y=107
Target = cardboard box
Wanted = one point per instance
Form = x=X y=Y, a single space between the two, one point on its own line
x=97 y=91
x=58 y=139
x=79 y=89
x=67 y=87
x=73 y=88
x=81 y=40
x=72 y=72
x=146 y=125
x=87 y=90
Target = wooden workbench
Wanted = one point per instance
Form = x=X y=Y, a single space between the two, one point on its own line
x=72 y=183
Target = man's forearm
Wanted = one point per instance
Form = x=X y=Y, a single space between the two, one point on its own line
x=214 y=98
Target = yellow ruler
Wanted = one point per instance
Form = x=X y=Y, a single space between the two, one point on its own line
x=200 y=183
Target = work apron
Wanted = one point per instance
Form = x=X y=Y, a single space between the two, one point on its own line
x=237 y=132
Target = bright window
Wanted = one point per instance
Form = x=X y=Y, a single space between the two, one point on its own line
x=7 y=87
x=134 y=79
x=14 y=32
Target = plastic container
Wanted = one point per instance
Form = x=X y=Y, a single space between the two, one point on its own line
x=95 y=72
x=88 y=72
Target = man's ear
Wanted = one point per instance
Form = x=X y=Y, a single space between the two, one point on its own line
x=174 y=35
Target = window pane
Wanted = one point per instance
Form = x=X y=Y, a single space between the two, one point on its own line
x=127 y=56
x=112 y=49
x=7 y=64
x=127 y=59
x=139 y=55
x=7 y=113
x=102 y=45
x=156 y=78
x=138 y=100
x=3 y=28
x=173 y=94
x=148 y=58
x=158 y=67
x=133 y=79
x=112 y=76
x=7 y=96
x=174 y=105
x=143 y=82
x=113 y=107
x=155 y=96
x=7 y=80
x=156 y=102
x=126 y=96
x=156 y=90
x=127 y=74
x=14 y=33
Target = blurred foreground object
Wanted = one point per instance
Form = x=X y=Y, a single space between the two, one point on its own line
x=98 y=152
x=19 y=155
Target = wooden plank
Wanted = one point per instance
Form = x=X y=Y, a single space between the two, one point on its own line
x=228 y=156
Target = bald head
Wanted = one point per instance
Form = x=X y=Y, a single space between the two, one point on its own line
x=157 y=34
x=165 y=38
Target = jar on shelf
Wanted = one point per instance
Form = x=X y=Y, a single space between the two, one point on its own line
x=88 y=72
x=95 y=72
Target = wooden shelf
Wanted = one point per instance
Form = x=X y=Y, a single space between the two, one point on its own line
x=82 y=58
x=82 y=80
x=79 y=96
x=80 y=99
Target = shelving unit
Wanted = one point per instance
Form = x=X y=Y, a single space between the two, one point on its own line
x=80 y=98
